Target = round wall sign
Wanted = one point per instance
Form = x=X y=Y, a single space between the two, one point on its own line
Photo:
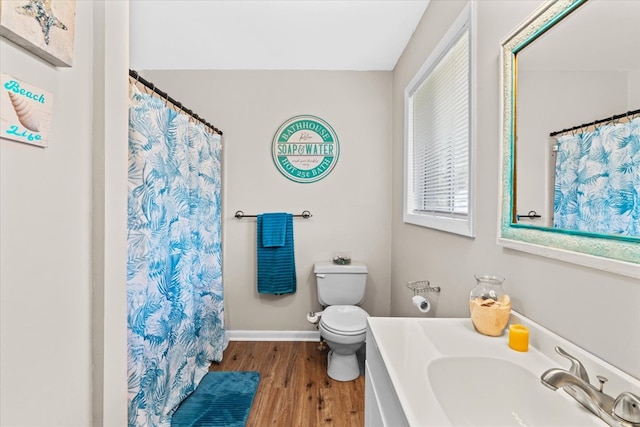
x=305 y=149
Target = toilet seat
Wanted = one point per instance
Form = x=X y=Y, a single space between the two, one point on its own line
x=344 y=320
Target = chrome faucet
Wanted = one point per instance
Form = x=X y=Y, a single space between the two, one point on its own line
x=622 y=411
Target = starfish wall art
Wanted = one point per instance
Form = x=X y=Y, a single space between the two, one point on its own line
x=44 y=27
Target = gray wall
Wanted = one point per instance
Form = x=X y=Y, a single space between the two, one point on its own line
x=551 y=101
x=350 y=206
x=49 y=210
x=63 y=231
x=249 y=105
x=596 y=310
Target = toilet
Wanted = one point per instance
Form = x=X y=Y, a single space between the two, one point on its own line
x=342 y=323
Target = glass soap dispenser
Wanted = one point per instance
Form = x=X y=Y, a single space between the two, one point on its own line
x=489 y=305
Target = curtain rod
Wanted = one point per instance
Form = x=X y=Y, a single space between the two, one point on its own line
x=597 y=122
x=138 y=78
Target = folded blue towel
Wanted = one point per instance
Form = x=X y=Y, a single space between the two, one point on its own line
x=276 y=264
x=274 y=227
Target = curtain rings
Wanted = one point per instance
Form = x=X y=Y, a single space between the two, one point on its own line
x=151 y=88
x=134 y=80
x=615 y=120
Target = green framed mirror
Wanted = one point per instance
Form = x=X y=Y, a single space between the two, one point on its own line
x=565 y=68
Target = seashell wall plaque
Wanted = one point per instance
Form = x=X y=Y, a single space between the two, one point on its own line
x=43 y=27
x=25 y=112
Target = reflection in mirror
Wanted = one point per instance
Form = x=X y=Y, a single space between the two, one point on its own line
x=583 y=69
x=572 y=62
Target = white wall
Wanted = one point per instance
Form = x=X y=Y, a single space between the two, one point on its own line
x=596 y=310
x=45 y=223
x=350 y=206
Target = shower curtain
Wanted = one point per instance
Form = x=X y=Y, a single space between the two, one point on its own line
x=597 y=185
x=174 y=267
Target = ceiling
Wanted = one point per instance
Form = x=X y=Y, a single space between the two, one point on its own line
x=271 y=35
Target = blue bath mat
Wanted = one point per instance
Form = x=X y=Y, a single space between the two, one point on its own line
x=221 y=399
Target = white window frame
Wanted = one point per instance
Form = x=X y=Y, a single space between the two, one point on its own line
x=463 y=226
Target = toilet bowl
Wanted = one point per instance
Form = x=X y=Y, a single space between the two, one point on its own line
x=342 y=323
x=343 y=328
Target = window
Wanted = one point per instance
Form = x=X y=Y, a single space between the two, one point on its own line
x=438 y=129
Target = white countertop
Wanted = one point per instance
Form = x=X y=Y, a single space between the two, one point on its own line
x=408 y=345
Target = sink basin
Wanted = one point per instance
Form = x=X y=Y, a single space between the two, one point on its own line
x=441 y=372
x=490 y=391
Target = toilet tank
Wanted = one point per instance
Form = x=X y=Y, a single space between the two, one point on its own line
x=340 y=284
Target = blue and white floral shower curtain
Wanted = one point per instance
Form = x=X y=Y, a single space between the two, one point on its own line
x=174 y=273
x=597 y=187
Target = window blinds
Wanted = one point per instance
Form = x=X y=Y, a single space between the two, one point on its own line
x=439 y=129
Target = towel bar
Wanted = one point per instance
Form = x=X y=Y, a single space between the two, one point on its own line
x=304 y=214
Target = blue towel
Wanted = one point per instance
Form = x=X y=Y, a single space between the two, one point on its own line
x=274 y=227
x=276 y=264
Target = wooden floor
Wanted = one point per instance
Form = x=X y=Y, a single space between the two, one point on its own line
x=294 y=388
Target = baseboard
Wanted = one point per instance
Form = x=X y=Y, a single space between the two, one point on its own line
x=236 y=335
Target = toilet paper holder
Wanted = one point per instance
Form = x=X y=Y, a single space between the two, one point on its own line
x=422 y=286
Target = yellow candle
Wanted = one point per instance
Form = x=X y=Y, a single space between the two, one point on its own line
x=519 y=337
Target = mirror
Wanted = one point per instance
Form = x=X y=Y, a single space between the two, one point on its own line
x=571 y=63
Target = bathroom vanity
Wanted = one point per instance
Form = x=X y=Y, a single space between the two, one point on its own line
x=441 y=372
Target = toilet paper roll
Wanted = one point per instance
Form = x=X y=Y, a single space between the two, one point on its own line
x=313 y=317
x=421 y=303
